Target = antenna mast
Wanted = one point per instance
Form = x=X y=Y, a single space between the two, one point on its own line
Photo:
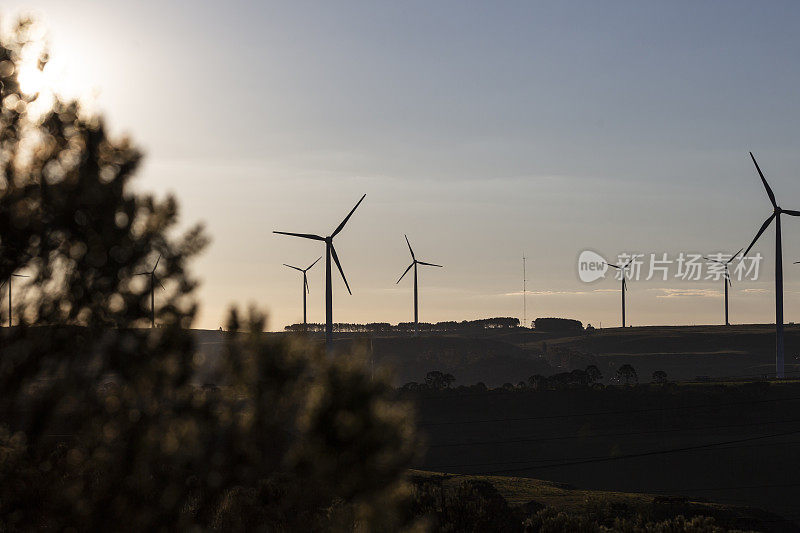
x=524 y=295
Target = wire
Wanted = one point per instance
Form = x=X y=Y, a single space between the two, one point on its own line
x=604 y=435
x=543 y=462
x=645 y=454
x=603 y=413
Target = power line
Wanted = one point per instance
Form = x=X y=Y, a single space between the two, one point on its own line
x=541 y=463
x=604 y=413
x=605 y=435
x=644 y=454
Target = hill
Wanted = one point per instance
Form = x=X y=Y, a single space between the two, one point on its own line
x=732 y=443
x=534 y=493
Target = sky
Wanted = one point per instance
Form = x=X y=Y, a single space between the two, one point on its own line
x=483 y=131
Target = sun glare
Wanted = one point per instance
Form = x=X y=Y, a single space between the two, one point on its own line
x=56 y=79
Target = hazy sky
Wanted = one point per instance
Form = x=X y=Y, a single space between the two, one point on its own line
x=481 y=130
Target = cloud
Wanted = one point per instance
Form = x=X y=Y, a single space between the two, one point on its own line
x=756 y=291
x=687 y=293
x=547 y=293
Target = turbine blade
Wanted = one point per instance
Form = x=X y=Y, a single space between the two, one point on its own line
x=156 y=265
x=713 y=260
x=614 y=266
x=143 y=273
x=404 y=273
x=791 y=212
x=290 y=266
x=303 y=235
x=341 y=226
x=429 y=264
x=305 y=282
x=763 y=227
x=624 y=285
x=734 y=256
x=312 y=264
x=409 y=248
x=764 y=181
x=162 y=285
x=20 y=275
x=339 y=265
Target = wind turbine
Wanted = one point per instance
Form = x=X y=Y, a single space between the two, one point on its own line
x=624 y=285
x=776 y=214
x=305 y=284
x=9 y=293
x=726 y=280
x=414 y=264
x=329 y=251
x=153 y=280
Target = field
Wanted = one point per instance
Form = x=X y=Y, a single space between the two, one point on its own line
x=730 y=436
x=497 y=356
x=734 y=443
x=534 y=493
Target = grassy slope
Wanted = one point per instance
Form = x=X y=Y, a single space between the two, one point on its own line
x=520 y=491
x=531 y=433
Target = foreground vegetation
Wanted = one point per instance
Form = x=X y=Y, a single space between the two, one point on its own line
x=490 y=503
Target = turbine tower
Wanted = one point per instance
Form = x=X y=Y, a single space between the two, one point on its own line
x=624 y=285
x=9 y=293
x=776 y=215
x=414 y=264
x=153 y=279
x=726 y=280
x=305 y=285
x=329 y=251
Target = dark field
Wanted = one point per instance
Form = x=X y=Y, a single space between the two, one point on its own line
x=733 y=440
x=736 y=444
x=512 y=355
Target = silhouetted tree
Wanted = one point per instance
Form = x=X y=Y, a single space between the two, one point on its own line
x=537 y=382
x=439 y=380
x=659 y=376
x=594 y=374
x=291 y=436
x=627 y=374
x=563 y=325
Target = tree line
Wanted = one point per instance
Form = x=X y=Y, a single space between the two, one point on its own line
x=408 y=327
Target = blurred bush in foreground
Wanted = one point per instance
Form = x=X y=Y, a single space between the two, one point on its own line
x=100 y=425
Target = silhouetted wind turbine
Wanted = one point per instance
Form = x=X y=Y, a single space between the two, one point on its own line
x=776 y=214
x=624 y=286
x=153 y=280
x=414 y=264
x=9 y=293
x=726 y=280
x=329 y=251
x=305 y=284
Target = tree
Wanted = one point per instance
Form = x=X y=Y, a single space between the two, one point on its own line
x=438 y=381
x=627 y=374
x=537 y=382
x=564 y=325
x=594 y=374
x=579 y=378
x=290 y=437
x=659 y=376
